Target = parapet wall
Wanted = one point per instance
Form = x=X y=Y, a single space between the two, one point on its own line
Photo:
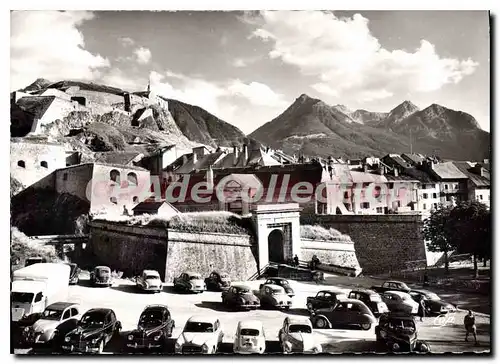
x=383 y=243
x=339 y=253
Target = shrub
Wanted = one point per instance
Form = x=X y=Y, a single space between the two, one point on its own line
x=316 y=232
x=22 y=247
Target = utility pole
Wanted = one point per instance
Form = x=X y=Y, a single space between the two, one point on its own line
x=411 y=146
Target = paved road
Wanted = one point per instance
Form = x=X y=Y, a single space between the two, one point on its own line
x=128 y=304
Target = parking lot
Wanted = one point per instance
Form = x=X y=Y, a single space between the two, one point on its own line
x=128 y=303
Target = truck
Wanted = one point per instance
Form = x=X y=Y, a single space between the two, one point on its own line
x=35 y=287
x=391 y=286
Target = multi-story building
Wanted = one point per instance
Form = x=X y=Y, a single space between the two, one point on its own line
x=452 y=182
x=478 y=184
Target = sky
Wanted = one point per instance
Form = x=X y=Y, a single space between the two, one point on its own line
x=248 y=67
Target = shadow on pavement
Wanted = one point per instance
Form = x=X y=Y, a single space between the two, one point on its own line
x=353 y=346
x=298 y=311
x=128 y=288
x=217 y=306
x=272 y=347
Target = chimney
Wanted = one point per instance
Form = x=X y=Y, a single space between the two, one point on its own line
x=381 y=169
x=235 y=155
x=396 y=172
x=245 y=154
x=195 y=158
x=184 y=159
x=210 y=177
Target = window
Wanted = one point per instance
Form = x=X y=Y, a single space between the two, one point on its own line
x=113 y=200
x=425 y=196
x=456 y=186
x=74 y=311
x=44 y=164
x=346 y=195
x=480 y=197
x=445 y=187
x=365 y=205
x=65 y=177
x=38 y=297
x=66 y=315
x=114 y=176
x=425 y=206
x=424 y=187
x=434 y=195
x=390 y=185
x=435 y=205
x=380 y=210
x=132 y=178
x=21 y=164
x=448 y=198
x=135 y=199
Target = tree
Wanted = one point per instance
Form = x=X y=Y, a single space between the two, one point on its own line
x=472 y=230
x=437 y=232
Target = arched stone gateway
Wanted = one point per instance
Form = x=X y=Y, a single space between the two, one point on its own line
x=278 y=232
x=275 y=243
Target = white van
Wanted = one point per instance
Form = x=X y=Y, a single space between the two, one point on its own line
x=35 y=287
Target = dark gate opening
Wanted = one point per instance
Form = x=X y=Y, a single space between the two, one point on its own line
x=275 y=246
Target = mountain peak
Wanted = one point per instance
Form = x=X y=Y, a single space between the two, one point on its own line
x=406 y=107
x=38 y=84
x=343 y=108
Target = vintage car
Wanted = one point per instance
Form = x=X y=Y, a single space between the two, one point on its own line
x=398 y=333
x=370 y=298
x=218 y=281
x=433 y=303
x=74 y=273
x=240 y=296
x=280 y=282
x=296 y=336
x=201 y=335
x=391 y=286
x=149 y=281
x=346 y=312
x=272 y=295
x=324 y=299
x=101 y=276
x=58 y=318
x=249 y=338
x=94 y=330
x=189 y=282
x=155 y=326
x=397 y=301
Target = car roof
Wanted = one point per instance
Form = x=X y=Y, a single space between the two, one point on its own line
x=422 y=291
x=398 y=282
x=242 y=286
x=203 y=318
x=102 y=267
x=103 y=310
x=351 y=300
x=155 y=306
x=150 y=271
x=278 y=278
x=334 y=291
x=398 y=316
x=274 y=286
x=250 y=324
x=60 y=305
x=397 y=293
x=364 y=290
x=298 y=320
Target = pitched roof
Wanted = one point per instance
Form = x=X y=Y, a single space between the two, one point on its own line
x=150 y=149
x=35 y=105
x=396 y=158
x=343 y=174
x=153 y=206
x=117 y=157
x=420 y=175
x=249 y=180
x=476 y=180
x=448 y=170
x=412 y=158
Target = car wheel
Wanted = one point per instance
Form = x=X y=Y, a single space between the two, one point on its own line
x=366 y=327
x=101 y=347
x=321 y=323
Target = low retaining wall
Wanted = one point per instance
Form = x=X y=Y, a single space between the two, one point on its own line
x=339 y=254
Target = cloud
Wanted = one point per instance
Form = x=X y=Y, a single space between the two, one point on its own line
x=256 y=93
x=117 y=78
x=239 y=63
x=347 y=59
x=126 y=41
x=48 y=44
x=143 y=55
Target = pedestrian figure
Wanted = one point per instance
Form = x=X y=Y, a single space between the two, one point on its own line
x=296 y=260
x=426 y=279
x=125 y=211
x=421 y=309
x=470 y=326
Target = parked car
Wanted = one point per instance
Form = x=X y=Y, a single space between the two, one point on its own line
x=189 y=282
x=218 y=281
x=34 y=260
x=201 y=335
x=101 y=276
x=272 y=295
x=371 y=299
x=296 y=336
x=347 y=312
x=154 y=328
x=280 y=282
x=95 y=329
x=249 y=338
x=149 y=281
x=56 y=319
x=391 y=286
x=398 y=333
x=325 y=299
x=434 y=305
x=74 y=273
x=400 y=302
x=240 y=296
